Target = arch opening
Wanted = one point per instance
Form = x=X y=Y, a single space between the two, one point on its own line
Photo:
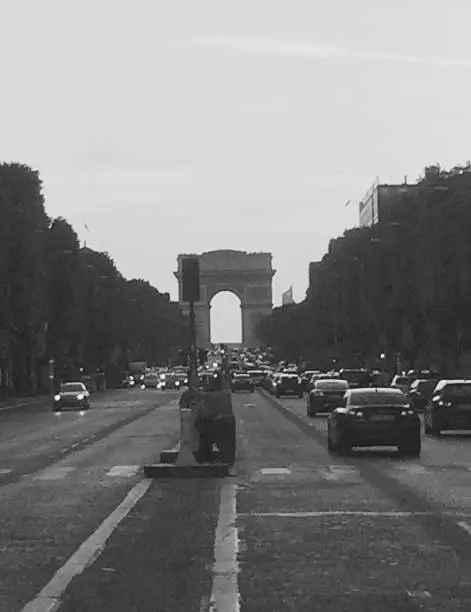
x=226 y=318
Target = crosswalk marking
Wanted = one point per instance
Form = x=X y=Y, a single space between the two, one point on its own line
x=54 y=473
x=123 y=470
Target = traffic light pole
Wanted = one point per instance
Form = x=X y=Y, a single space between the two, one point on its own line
x=192 y=380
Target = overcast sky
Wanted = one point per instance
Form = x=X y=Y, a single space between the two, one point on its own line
x=173 y=126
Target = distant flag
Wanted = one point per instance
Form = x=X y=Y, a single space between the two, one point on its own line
x=86 y=227
x=347 y=203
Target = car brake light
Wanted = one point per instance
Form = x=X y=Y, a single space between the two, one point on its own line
x=442 y=403
x=356 y=413
x=406 y=412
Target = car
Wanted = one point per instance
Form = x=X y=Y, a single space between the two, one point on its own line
x=169 y=381
x=326 y=395
x=256 y=376
x=71 y=395
x=356 y=377
x=151 y=380
x=288 y=384
x=402 y=382
x=127 y=381
x=241 y=381
x=449 y=408
x=306 y=378
x=374 y=416
x=421 y=392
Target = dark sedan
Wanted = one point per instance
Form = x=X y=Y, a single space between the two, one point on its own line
x=241 y=382
x=71 y=396
x=449 y=408
x=420 y=393
x=374 y=417
x=288 y=384
x=326 y=395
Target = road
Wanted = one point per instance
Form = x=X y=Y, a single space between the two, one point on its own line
x=292 y=529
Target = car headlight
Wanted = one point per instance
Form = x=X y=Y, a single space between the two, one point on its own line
x=57 y=397
x=177 y=384
x=406 y=412
x=80 y=396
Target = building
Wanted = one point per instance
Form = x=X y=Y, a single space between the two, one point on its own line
x=313 y=278
x=379 y=201
x=287 y=297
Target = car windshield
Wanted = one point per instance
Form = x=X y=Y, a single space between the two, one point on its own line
x=255 y=373
x=338 y=385
x=71 y=387
x=403 y=380
x=458 y=390
x=375 y=399
x=424 y=385
x=355 y=376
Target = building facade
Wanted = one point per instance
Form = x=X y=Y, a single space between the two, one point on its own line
x=378 y=204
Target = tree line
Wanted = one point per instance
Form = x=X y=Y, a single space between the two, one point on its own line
x=396 y=295
x=63 y=302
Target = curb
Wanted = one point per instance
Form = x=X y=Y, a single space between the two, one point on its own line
x=171 y=455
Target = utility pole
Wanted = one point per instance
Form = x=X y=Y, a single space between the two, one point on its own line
x=190 y=294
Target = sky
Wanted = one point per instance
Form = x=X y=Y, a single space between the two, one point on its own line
x=183 y=126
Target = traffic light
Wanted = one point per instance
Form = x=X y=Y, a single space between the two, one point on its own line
x=191 y=279
x=202 y=356
x=182 y=357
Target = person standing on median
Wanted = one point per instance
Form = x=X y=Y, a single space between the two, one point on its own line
x=213 y=419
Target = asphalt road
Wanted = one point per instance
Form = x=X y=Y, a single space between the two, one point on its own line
x=292 y=529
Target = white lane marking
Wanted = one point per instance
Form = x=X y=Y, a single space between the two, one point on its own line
x=412 y=469
x=49 y=598
x=357 y=513
x=225 y=589
x=275 y=471
x=123 y=470
x=54 y=473
x=465 y=526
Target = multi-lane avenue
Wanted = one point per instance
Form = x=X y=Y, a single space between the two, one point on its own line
x=292 y=528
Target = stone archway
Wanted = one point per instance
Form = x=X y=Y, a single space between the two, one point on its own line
x=247 y=275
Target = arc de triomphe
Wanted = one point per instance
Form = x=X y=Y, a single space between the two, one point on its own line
x=247 y=275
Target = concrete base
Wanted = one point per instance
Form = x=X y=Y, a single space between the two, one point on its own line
x=205 y=470
x=171 y=455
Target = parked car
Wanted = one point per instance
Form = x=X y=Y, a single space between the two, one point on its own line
x=449 y=408
x=326 y=395
x=288 y=384
x=73 y=396
x=374 y=417
x=420 y=393
x=241 y=381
